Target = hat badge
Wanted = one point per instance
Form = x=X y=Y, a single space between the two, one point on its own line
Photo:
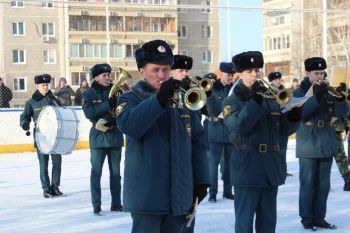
x=161 y=49
x=319 y=64
x=185 y=62
x=252 y=59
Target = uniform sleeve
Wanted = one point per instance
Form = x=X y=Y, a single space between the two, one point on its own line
x=137 y=118
x=288 y=127
x=8 y=95
x=94 y=111
x=242 y=119
x=213 y=105
x=199 y=153
x=26 y=115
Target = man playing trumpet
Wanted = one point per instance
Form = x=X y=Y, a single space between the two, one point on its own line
x=256 y=126
x=316 y=143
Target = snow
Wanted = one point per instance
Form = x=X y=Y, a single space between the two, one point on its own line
x=23 y=209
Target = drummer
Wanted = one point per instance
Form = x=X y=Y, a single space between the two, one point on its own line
x=41 y=98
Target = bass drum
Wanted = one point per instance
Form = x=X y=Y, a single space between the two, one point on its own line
x=56 y=130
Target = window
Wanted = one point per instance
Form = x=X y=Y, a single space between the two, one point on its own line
x=207 y=56
x=206 y=4
x=183 y=52
x=49 y=56
x=182 y=31
x=130 y=50
x=206 y=31
x=279 y=20
x=18 y=28
x=88 y=51
x=116 y=51
x=20 y=84
x=18 y=56
x=278 y=43
x=17 y=4
x=181 y=2
x=77 y=77
x=157 y=26
x=48 y=29
x=47 y=4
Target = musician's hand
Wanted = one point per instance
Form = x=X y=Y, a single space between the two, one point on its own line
x=294 y=115
x=341 y=87
x=167 y=90
x=257 y=88
x=25 y=126
x=185 y=83
x=322 y=89
x=201 y=192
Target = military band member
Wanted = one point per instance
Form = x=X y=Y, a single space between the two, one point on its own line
x=43 y=97
x=219 y=144
x=166 y=167
x=181 y=67
x=105 y=138
x=256 y=126
x=316 y=144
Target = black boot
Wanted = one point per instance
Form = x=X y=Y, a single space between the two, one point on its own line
x=212 y=198
x=47 y=194
x=97 y=211
x=326 y=225
x=116 y=208
x=346 y=178
x=228 y=196
x=56 y=192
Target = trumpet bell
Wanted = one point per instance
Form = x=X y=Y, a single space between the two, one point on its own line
x=119 y=87
x=284 y=97
x=195 y=98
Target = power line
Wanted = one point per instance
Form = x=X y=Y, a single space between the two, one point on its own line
x=167 y=7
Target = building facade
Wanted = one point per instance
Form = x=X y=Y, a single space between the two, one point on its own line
x=65 y=39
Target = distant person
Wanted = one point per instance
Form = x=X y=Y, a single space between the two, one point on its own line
x=43 y=97
x=64 y=92
x=84 y=85
x=295 y=84
x=5 y=95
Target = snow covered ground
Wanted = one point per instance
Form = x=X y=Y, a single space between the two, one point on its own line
x=23 y=209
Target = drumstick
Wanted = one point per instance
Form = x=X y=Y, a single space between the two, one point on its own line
x=28 y=133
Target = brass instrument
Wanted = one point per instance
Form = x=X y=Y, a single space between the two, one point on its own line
x=283 y=97
x=194 y=98
x=119 y=87
x=331 y=90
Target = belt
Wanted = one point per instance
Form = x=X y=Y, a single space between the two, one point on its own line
x=214 y=119
x=262 y=148
x=318 y=124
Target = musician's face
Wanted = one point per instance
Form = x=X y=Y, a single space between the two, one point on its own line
x=103 y=79
x=276 y=82
x=155 y=74
x=226 y=78
x=249 y=76
x=315 y=75
x=43 y=88
x=179 y=74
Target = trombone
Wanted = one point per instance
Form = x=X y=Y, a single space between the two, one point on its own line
x=283 y=97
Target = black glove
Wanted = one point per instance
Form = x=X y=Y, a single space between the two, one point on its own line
x=112 y=101
x=167 y=90
x=201 y=192
x=185 y=83
x=294 y=115
x=322 y=89
x=25 y=126
x=256 y=88
x=341 y=87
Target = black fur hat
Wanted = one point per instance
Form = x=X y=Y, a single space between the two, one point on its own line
x=100 y=69
x=248 y=60
x=274 y=75
x=227 y=67
x=156 y=52
x=315 y=63
x=42 y=78
x=211 y=76
x=182 y=62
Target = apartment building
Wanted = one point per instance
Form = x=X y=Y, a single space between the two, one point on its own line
x=66 y=38
x=30 y=43
x=297 y=29
x=199 y=35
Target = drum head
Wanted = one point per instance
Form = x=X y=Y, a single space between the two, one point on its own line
x=46 y=129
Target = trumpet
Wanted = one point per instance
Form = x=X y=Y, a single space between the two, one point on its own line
x=119 y=87
x=193 y=95
x=283 y=97
x=332 y=90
